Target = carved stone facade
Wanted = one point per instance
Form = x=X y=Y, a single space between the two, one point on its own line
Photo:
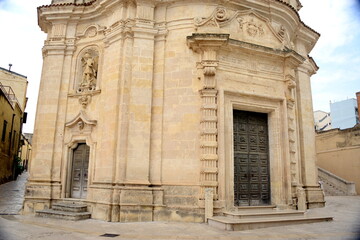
x=151 y=88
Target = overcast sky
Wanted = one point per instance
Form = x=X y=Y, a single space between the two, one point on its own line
x=337 y=52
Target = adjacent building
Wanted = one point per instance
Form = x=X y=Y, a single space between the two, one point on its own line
x=344 y=114
x=25 y=150
x=338 y=150
x=322 y=120
x=146 y=107
x=12 y=105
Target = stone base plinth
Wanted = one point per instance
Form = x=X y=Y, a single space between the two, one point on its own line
x=314 y=196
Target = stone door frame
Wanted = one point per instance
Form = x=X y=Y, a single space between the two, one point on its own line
x=71 y=173
x=67 y=168
x=280 y=187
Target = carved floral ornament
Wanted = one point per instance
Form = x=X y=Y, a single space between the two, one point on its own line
x=250 y=22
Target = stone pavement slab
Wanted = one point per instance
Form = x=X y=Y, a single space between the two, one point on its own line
x=12 y=195
x=346 y=212
x=344 y=209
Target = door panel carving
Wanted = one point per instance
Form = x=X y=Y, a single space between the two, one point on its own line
x=251 y=159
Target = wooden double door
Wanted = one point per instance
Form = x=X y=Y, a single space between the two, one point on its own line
x=251 y=159
x=79 y=173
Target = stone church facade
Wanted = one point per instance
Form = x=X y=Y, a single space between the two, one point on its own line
x=147 y=107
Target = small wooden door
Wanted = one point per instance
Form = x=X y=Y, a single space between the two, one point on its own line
x=251 y=159
x=79 y=176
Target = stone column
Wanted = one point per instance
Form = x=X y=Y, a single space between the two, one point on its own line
x=314 y=195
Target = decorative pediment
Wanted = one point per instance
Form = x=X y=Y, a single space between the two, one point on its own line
x=248 y=26
x=81 y=120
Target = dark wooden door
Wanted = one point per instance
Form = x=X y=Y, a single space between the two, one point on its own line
x=251 y=159
x=79 y=176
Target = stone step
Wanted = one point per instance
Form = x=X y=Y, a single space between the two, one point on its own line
x=69 y=207
x=255 y=208
x=233 y=224
x=264 y=214
x=50 y=213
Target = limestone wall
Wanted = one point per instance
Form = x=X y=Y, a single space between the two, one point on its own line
x=338 y=151
x=150 y=87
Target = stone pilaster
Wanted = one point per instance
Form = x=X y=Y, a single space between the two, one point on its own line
x=158 y=106
x=140 y=101
x=309 y=175
x=290 y=81
x=43 y=185
x=208 y=45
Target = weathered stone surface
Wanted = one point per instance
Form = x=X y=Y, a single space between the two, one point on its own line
x=150 y=87
x=334 y=185
x=338 y=152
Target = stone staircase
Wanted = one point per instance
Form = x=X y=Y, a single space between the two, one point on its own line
x=66 y=210
x=246 y=218
x=334 y=185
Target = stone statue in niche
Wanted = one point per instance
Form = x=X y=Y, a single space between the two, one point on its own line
x=89 y=70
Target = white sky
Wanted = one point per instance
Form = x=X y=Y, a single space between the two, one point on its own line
x=337 y=52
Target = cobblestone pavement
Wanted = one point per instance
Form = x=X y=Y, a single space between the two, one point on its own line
x=345 y=210
x=12 y=195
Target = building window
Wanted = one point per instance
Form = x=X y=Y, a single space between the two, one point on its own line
x=4 y=131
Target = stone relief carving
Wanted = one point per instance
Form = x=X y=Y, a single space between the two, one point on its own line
x=250 y=23
x=89 y=70
x=86 y=31
x=252 y=28
x=91 y=32
x=81 y=122
x=84 y=100
x=209 y=67
x=220 y=14
x=282 y=31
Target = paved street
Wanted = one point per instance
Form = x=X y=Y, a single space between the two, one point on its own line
x=345 y=210
x=11 y=195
